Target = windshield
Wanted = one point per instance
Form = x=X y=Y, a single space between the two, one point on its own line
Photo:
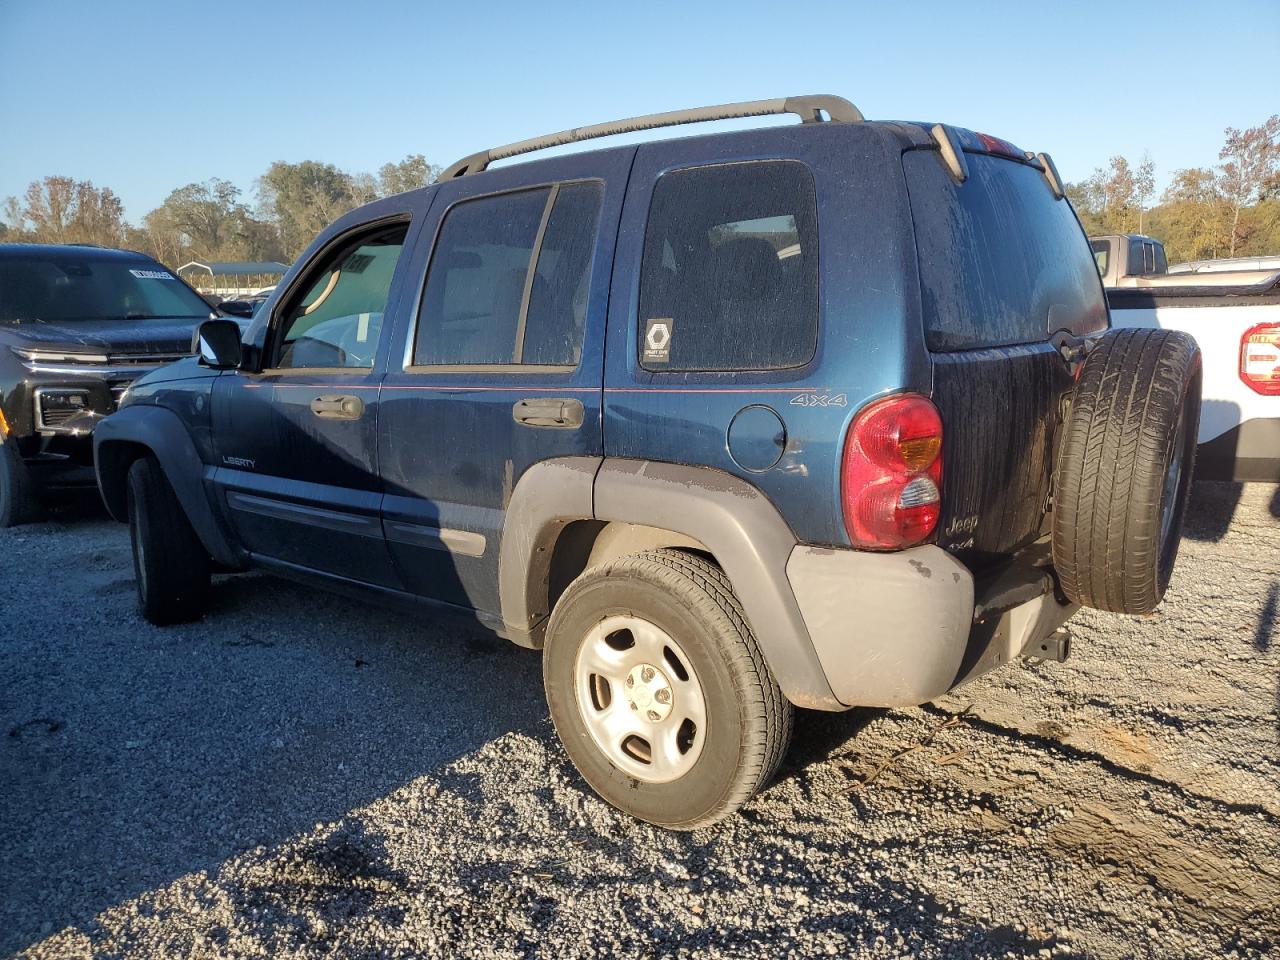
x=61 y=287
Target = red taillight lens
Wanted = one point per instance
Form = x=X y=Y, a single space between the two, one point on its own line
x=1260 y=358
x=891 y=474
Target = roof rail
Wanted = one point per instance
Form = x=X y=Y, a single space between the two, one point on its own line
x=809 y=109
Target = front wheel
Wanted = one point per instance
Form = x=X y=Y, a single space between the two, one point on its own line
x=659 y=691
x=169 y=561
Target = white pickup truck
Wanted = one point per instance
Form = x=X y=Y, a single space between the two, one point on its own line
x=1238 y=328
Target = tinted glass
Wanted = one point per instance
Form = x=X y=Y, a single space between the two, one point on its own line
x=63 y=287
x=729 y=279
x=1101 y=255
x=470 y=311
x=558 y=296
x=338 y=319
x=1001 y=261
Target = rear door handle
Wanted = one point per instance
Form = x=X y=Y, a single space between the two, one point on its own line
x=338 y=407
x=555 y=412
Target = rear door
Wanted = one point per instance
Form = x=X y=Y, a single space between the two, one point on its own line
x=1004 y=267
x=500 y=366
x=297 y=440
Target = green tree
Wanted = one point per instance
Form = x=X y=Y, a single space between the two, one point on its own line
x=304 y=198
x=409 y=174
x=1193 y=216
x=1250 y=167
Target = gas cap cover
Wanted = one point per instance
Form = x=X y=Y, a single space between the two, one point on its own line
x=757 y=438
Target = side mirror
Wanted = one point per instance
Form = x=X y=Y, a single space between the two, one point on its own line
x=236 y=308
x=217 y=343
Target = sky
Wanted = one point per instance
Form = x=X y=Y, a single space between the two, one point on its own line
x=144 y=97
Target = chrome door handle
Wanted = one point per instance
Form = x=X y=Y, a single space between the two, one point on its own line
x=338 y=407
x=555 y=412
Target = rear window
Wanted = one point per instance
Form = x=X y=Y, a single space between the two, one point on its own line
x=1101 y=255
x=508 y=279
x=60 y=286
x=729 y=279
x=1001 y=261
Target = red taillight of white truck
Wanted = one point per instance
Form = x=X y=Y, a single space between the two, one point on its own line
x=1260 y=359
x=891 y=474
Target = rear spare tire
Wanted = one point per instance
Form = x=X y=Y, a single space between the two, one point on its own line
x=1124 y=469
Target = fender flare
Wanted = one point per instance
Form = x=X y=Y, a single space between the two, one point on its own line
x=735 y=520
x=162 y=433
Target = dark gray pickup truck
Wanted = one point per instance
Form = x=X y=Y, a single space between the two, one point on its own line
x=78 y=324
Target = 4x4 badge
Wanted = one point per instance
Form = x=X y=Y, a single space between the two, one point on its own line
x=820 y=400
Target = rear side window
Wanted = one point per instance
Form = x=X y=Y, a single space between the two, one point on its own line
x=729 y=278
x=1001 y=261
x=508 y=279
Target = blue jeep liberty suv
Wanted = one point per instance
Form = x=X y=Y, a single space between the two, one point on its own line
x=817 y=415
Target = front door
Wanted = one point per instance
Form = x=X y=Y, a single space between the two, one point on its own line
x=297 y=440
x=502 y=365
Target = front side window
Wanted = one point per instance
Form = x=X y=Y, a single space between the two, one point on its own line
x=508 y=279
x=337 y=320
x=729 y=278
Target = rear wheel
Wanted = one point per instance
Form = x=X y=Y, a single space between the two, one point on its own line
x=17 y=493
x=1124 y=470
x=659 y=691
x=169 y=561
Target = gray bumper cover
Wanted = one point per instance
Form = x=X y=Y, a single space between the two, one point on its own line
x=896 y=629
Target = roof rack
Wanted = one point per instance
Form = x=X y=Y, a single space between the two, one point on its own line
x=809 y=109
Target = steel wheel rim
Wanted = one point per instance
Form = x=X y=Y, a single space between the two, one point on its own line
x=640 y=699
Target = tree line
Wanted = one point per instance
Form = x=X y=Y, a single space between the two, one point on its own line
x=1231 y=209
x=209 y=220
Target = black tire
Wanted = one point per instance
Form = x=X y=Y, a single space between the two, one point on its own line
x=1124 y=469
x=18 y=503
x=169 y=561
x=748 y=721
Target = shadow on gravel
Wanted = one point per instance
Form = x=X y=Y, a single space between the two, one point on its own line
x=1275 y=503
x=82 y=506
x=170 y=751
x=819 y=735
x=1212 y=506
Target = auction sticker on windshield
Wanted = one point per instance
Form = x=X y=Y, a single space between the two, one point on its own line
x=152 y=274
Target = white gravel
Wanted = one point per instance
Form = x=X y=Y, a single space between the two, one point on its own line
x=298 y=775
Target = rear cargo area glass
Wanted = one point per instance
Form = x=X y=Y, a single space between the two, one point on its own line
x=1001 y=260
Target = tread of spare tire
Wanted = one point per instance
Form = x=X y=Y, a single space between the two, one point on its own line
x=1106 y=538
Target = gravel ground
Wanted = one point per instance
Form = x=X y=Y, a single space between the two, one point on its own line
x=298 y=775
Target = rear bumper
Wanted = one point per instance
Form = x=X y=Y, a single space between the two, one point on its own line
x=897 y=629
x=1249 y=451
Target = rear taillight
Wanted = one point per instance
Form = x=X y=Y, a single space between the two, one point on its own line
x=891 y=474
x=1260 y=358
